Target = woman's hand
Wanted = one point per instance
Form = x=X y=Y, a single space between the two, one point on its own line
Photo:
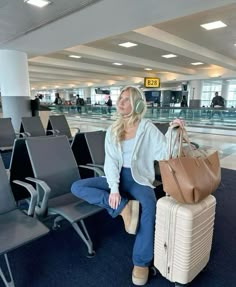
x=178 y=123
x=114 y=199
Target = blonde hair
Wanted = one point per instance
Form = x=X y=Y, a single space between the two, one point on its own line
x=118 y=127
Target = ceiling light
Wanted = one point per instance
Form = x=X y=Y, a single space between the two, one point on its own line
x=234 y=44
x=128 y=44
x=74 y=56
x=38 y=3
x=148 y=69
x=213 y=25
x=117 y=64
x=168 y=56
x=197 y=63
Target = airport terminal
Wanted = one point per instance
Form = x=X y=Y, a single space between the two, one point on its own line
x=65 y=69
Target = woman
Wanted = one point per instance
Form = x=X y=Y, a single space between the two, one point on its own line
x=131 y=146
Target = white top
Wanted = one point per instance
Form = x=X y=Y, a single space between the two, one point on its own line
x=149 y=145
x=127 y=148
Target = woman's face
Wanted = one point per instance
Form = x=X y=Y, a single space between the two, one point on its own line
x=123 y=106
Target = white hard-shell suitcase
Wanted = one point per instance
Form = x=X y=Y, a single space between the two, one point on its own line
x=183 y=238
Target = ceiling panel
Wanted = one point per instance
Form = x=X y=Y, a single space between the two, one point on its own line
x=182 y=36
x=220 y=40
x=108 y=63
x=18 y=18
x=141 y=51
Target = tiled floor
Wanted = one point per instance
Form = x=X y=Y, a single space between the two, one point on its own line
x=222 y=140
x=226 y=145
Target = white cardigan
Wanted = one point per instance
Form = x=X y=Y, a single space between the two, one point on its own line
x=150 y=144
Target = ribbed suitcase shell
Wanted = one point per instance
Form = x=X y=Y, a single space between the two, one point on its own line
x=183 y=238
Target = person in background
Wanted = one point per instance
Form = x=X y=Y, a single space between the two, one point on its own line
x=132 y=144
x=109 y=104
x=35 y=104
x=217 y=102
x=58 y=100
x=79 y=103
x=183 y=104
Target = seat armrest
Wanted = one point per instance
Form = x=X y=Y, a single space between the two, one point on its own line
x=53 y=132
x=101 y=166
x=23 y=134
x=40 y=210
x=94 y=168
x=57 y=132
x=33 y=196
x=5 y=148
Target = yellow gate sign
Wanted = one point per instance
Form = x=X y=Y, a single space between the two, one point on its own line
x=151 y=82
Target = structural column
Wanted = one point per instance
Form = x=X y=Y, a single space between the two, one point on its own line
x=195 y=93
x=14 y=84
x=225 y=89
x=87 y=93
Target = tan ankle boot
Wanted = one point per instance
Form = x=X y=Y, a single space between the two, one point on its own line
x=130 y=215
x=140 y=275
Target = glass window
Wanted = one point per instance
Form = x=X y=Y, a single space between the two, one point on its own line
x=208 y=91
x=102 y=98
x=231 y=99
x=115 y=92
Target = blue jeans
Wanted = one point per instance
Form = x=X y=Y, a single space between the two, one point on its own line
x=96 y=191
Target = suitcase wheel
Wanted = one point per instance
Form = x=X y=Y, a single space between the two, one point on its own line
x=153 y=271
x=56 y=226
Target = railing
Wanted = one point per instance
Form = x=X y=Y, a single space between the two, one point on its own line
x=219 y=117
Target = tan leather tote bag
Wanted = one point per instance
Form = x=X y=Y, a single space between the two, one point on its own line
x=189 y=178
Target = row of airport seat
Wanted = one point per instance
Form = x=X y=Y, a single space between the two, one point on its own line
x=30 y=126
x=87 y=149
x=46 y=167
x=57 y=124
x=16 y=227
